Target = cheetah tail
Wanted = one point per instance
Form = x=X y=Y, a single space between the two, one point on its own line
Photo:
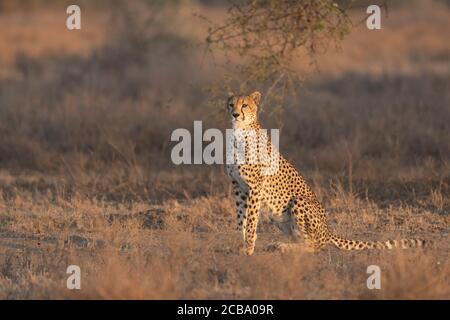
x=346 y=244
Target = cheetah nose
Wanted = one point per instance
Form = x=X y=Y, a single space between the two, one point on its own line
x=235 y=115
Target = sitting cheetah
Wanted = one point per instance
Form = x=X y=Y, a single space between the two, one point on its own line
x=283 y=190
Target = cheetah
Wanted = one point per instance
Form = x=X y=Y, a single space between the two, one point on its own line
x=283 y=190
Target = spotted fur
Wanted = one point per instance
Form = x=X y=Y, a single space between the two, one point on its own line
x=283 y=191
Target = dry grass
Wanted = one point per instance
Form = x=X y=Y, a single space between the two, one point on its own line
x=188 y=249
x=86 y=177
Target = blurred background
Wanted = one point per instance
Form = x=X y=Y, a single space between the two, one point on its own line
x=91 y=111
x=86 y=176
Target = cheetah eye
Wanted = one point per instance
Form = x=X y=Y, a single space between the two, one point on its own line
x=244 y=105
x=231 y=105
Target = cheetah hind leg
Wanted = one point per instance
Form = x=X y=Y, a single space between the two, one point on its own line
x=291 y=229
x=293 y=226
x=304 y=225
x=285 y=247
x=286 y=225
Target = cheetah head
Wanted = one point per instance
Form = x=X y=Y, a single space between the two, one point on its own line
x=243 y=109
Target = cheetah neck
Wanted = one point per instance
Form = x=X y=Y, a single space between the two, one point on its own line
x=252 y=126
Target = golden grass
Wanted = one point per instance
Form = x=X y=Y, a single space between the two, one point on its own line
x=188 y=249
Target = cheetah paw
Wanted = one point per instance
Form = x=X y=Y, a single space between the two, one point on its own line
x=286 y=247
x=277 y=246
x=248 y=251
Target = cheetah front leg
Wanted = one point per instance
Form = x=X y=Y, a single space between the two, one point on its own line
x=241 y=196
x=252 y=215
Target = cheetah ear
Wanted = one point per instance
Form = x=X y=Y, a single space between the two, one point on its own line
x=256 y=96
x=230 y=94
